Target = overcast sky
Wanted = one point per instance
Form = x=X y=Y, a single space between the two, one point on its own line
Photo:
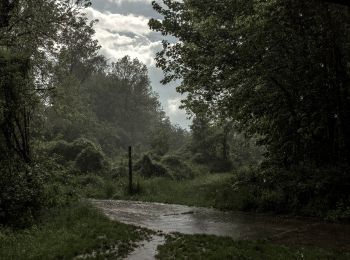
x=123 y=30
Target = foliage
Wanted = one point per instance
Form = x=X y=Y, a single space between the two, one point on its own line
x=21 y=193
x=97 y=187
x=340 y=213
x=90 y=160
x=177 y=168
x=203 y=190
x=30 y=40
x=278 y=71
x=242 y=70
x=221 y=148
x=86 y=155
x=148 y=168
x=66 y=233
x=302 y=190
x=179 y=246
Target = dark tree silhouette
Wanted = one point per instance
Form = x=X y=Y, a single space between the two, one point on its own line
x=340 y=2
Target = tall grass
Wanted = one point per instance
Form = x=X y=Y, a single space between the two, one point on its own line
x=203 y=190
x=78 y=230
x=212 y=247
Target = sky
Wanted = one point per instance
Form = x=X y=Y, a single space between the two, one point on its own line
x=123 y=30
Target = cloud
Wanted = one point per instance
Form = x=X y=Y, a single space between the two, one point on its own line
x=136 y=7
x=173 y=105
x=121 y=35
x=119 y=2
x=119 y=22
x=175 y=113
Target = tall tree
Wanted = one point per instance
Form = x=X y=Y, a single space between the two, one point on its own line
x=29 y=38
x=278 y=68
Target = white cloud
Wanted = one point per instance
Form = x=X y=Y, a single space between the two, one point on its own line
x=173 y=105
x=121 y=35
x=175 y=113
x=120 y=23
x=119 y=2
x=129 y=34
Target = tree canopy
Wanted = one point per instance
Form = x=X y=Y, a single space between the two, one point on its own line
x=277 y=68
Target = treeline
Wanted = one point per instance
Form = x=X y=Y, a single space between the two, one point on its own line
x=279 y=71
x=112 y=105
x=64 y=109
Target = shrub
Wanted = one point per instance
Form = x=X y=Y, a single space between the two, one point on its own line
x=59 y=186
x=70 y=151
x=82 y=143
x=148 y=168
x=90 y=180
x=62 y=149
x=21 y=193
x=217 y=165
x=200 y=158
x=91 y=159
x=176 y=168
x=303 y=189
x=340 y=213
x=119 y=171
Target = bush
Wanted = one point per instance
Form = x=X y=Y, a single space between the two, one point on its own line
x=120 y=171
x=63 y=150
x=91 y=159
x=176 y=168
x=21 y=193
x=82 y=143
x=340 y=213
x=217 y=165
x=70 y=151
x=148 y=168
x=90 y=180
x=200 y=158
x=59 y=186
x=303 y=189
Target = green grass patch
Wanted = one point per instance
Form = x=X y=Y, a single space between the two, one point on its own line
x=192 y=247
x=203 y=190
x=78 y=230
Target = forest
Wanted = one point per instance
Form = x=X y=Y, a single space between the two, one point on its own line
x=265 y=84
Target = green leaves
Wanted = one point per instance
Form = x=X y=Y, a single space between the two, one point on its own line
x=273 y=66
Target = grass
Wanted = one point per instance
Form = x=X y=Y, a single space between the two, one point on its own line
x=179 y=246
x=76 y=231
x=203 y=190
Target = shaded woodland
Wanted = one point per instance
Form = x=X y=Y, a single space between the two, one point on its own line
x=266 y=83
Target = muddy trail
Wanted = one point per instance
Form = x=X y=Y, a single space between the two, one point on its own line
x=169 y=218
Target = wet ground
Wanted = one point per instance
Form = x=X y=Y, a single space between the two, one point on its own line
x=194 y=220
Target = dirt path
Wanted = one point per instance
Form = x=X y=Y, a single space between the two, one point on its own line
x=194 y=220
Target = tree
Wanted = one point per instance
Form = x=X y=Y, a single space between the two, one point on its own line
x=277 y=68
x=340 y=2
x=28 y=39
x=31 y=36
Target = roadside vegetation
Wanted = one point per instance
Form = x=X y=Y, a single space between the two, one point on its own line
x=179 y=246
x=77 y=231
x=265 y=82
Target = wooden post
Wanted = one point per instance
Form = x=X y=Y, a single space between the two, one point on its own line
x=130 y=170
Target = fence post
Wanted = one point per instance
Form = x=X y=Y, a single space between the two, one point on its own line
x=130 y=171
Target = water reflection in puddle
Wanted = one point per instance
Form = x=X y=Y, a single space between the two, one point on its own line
x=194 y=220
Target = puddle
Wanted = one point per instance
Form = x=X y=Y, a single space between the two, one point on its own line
x=169 y=218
